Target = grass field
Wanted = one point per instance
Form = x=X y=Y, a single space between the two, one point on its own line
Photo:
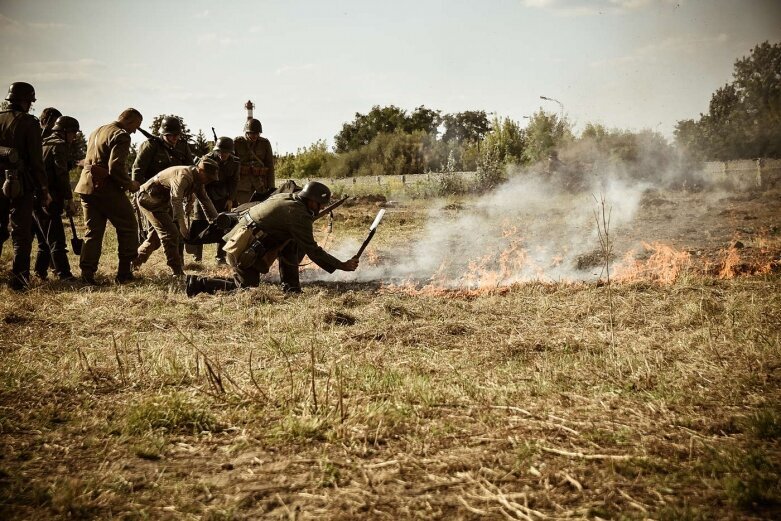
x=363 y=400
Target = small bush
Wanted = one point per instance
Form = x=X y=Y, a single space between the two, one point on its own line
x=172 y=413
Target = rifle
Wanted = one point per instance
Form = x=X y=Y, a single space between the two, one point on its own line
x=215 y=135
x=328 y=209
x=372 y=230
x=165 y=145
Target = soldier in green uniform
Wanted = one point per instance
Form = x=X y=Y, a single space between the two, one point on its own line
x=257 y=162
x=48 y=117
x=281 y=225
x=155 y=156
x=222 y=192
x=52 y=244
x=161 y=200
x=102 y=187
x=21 y=166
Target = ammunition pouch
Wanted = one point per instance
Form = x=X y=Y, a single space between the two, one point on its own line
x=9 y=156
x=247 y=246
x=100 y=175
x=253 y=170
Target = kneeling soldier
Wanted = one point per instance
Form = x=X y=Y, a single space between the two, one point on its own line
x=279 y=226
x=161 y=202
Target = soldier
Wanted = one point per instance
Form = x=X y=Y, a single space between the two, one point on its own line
x=257 y=162
x=161 y=201
x=21 y=164
x=102 y=186
x=221 y=192
x=155 y=155
x=281 y=225
x=52 y=244
x=49 y=116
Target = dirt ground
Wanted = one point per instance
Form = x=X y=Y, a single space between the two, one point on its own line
x=359 y=400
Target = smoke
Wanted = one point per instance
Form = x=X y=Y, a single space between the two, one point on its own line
x=536 y=226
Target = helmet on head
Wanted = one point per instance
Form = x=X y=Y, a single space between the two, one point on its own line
x=224 y=144
x=210 y=167
x=253 y=125
x=21 y=91
x=66 y=124
x=170 y=125
x=49 y=115
x=315 y=191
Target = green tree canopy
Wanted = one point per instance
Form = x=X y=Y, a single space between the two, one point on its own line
x=466 y=127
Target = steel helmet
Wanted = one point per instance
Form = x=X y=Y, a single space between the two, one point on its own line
x=224 y=144
x=316 y=191
x=253 y=125
x=66 y=124
x=170 y=125
x=21 y=91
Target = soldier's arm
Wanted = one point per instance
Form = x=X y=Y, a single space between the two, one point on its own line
x=232 y=182
x=62 y=182
x=301 y=231
x=180 y=188
x=33 y=142
x=268 y=159
x=205 y=201
x=143 y=160
x=117 y=162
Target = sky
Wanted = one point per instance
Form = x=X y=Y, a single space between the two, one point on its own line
x=310 y=65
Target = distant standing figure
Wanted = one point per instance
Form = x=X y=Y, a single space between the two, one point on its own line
x=52 y=243
x=257 y=162
x=21 y=167
x=102 y=187
x=49 y=116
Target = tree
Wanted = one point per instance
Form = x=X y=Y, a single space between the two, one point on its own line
x=424 y=120
x=506 y=141
x=466 y=127
x=155 y=126
x=544 y=133
x=201 y=145
x=744 y=117
x=365 y=127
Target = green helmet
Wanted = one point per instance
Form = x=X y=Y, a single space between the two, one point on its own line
x=170 y=125
x=253 y=125
x=20 y=91
x=316 y=192
x=66 y=124
x=224 y=144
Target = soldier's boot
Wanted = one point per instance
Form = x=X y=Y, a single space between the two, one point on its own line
x=124 y=273
x=20 y=281
x=88 y=278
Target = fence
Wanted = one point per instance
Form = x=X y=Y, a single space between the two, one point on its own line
x=747 y=174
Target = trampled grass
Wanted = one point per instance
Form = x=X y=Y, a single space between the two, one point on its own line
x=349 y=401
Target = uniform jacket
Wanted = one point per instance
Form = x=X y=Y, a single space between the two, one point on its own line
x=225 y=186
x=107 y=146
x=153 y=158
x=56 y=154
x=254 y=156
x=22 y=132
x=285 y=216
x=173 y=186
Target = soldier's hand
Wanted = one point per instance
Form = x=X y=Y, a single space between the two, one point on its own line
x=350 y=265
x=228 y=205
x=183 y=230
x=134 y=186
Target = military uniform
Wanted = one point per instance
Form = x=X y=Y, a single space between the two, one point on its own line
x=52 y=244
x=220 y=192
x=22 y=132
x=105 y=200
x=286 y=223
x=257 y=167
x=161 y=201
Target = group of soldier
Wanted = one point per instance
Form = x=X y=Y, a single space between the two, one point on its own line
x=170 y=195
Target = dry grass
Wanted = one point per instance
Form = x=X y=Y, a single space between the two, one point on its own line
x=135 y=402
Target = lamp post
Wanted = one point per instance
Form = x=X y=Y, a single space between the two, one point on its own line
x=561 y=105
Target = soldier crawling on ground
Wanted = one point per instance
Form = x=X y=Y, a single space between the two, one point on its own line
x=280 y=226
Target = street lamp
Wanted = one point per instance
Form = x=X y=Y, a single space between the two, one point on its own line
x=561 y=105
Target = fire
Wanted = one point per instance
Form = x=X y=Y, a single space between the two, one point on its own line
x=729 y=266
x=664 y=265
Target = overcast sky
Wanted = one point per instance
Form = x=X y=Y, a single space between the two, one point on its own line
x=309 y=65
